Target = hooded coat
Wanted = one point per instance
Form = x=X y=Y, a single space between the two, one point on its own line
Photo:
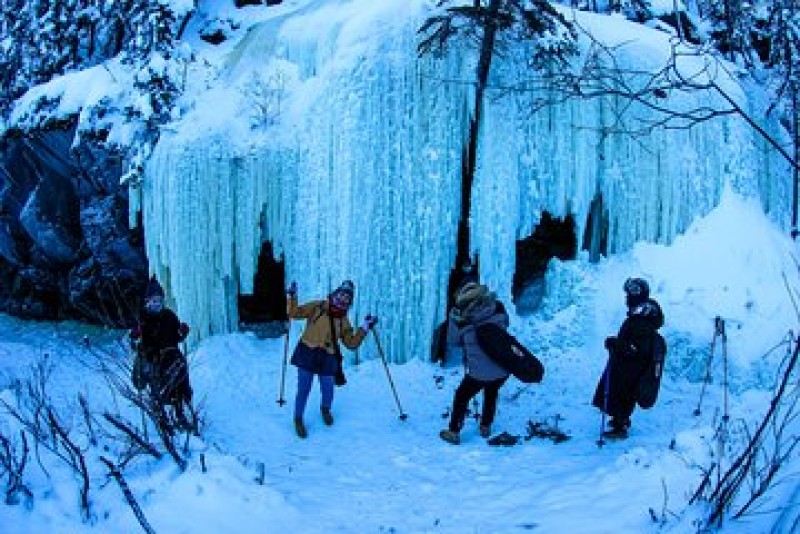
x=629 y=356
x=474 y=306
x=166 y=368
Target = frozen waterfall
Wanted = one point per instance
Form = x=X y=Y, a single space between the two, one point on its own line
x=350 y=165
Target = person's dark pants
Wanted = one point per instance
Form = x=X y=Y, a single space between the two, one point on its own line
x=468 y=388
x=304 y=381
x=170 y=380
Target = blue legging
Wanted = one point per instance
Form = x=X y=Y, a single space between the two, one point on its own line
x=304 y=380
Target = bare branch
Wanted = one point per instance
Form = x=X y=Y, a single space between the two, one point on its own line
x=14 y=464
x=115 y=472
x=74 y=458
x=755 y=461
x=128 y=430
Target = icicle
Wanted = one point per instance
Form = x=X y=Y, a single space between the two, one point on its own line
x=357 y=180
x=652 y=185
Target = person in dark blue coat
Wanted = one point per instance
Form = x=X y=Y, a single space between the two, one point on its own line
x=474 y=305
x=630 y=353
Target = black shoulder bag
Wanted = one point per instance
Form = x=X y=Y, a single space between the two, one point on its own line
x=339 y=379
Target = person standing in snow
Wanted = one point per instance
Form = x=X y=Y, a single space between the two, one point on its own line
x=629 y=355
x=318 y=352
x=160 y=366
x=474 y=305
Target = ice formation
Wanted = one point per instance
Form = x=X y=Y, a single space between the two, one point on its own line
x=343 y=149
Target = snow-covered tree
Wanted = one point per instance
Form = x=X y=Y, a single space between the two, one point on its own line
x=42 y=39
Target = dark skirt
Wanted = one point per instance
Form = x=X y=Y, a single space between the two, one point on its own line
x=318 y=361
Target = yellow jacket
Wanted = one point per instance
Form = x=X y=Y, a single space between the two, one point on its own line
x=317 y=333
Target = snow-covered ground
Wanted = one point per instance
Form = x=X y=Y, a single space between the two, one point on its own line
x=373 y=472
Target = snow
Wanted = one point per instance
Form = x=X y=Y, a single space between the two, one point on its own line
x=373 y=472
x=666 y=7
x=72 y=93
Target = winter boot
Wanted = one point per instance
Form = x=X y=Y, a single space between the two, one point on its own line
x=450 y=437
x=300 y=428
x=485 y=431
x=620 y=422
x=616 y=433
x=327 y=416
x=619 y=428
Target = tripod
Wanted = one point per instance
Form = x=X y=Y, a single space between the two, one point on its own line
x=720 y=338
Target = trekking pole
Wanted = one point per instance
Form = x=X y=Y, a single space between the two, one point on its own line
x=606 y=388
x=139 y=392
x=723 y=427
x=281 y=401
x=724 y=338
x=403 y=415
x=195 y=423
x=141 y=403
x=142 y=400
x=710 y=358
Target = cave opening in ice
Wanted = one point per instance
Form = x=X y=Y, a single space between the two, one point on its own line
x=552 y=237
x=267 y=302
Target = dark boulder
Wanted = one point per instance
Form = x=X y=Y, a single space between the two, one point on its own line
x=66 y=251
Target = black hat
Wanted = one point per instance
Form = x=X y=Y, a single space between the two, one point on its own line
x=347 y=287
x=636 y=291
x=153 y=289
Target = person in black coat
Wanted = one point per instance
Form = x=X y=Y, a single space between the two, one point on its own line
x=629 y=355
x=160 y=366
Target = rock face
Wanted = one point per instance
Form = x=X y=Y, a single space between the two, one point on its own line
x=66 y=251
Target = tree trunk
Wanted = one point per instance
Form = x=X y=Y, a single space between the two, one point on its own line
x=730 y=27
x=469 y=155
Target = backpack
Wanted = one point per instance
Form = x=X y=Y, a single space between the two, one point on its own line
x=650 y=382
x=509 y=353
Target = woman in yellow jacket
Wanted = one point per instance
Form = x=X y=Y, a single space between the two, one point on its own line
x=318 y=352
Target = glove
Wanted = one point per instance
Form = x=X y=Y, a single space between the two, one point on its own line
x=291 y=291
x=611 y=343
x=135 y=337
x=183 y=330
x=369 y=322
x=136 y=332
